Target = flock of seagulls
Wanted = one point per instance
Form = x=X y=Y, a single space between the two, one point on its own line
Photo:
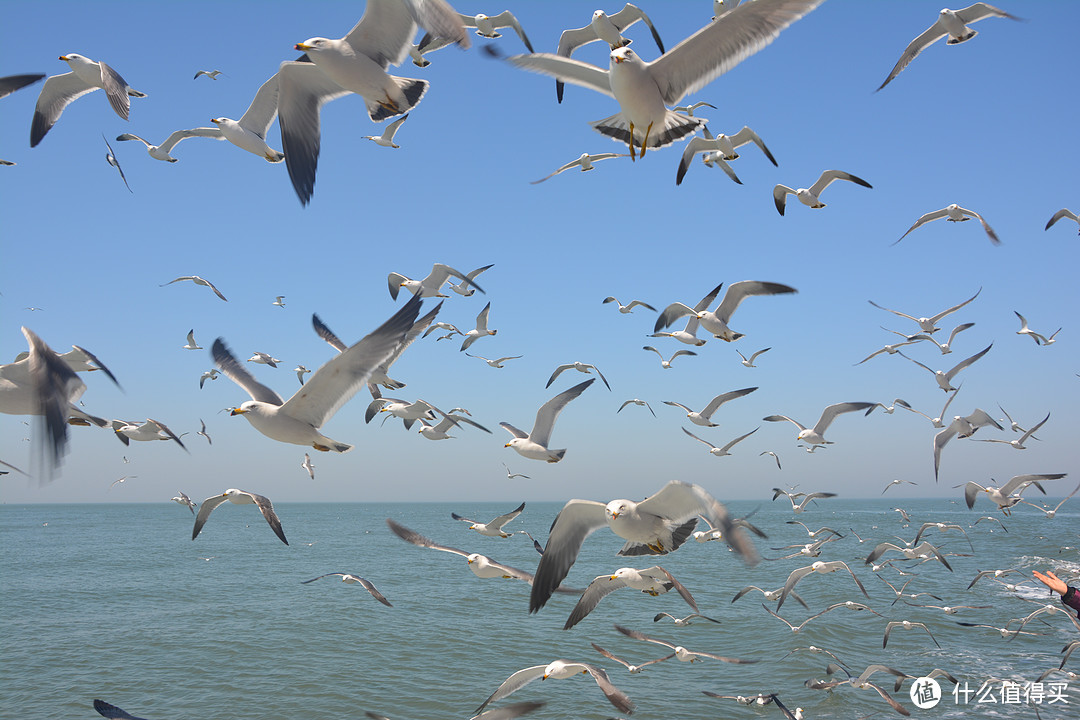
x=46 y=383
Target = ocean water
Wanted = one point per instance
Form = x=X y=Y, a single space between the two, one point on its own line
x=117 y=602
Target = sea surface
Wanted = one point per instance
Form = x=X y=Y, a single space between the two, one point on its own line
x=117 y=602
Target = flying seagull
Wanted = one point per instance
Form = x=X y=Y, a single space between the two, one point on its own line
x=85 y=76
x=534 y=444
x=239 y=497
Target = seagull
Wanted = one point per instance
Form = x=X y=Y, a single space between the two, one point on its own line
x=636 y=401
x=819 y=567
x=487 y=26
x=952 y=23
x=994 y=574
x=534 y=445
x=704 y=417
x=1038 y=338
x=771 y=595
x=211 y=374
x=800 y=626
x=953 y=213
x=774 y=456
x=247 y=133
x=1051 y=513
x=481 y=329
x=862 y=683
x=121 y=480
x=945 y=347
x=431 y=286
x=810 y=196
x=11 y=83
x=716 y=321
x=585 y=162
x=944 y=378
x=297 y=420
x=580 y=367
x=1004 y=496
x=239 y=497
x=467 y=288
x=279 y=300
x=212 y=74
x=506 y=712
x=688 y=335
x=85 y=76
x=634 y=669
x=352 y=579
x=301 y=371
x=666 y=364
x=263 y=359
x=681 y=653
x=890 y=409
x=898 y=481
x=512 y=475
x=749 y=362
x=962 y=427
x=629 y=307
x=922 y=550
x=1019 y=444
x=607 y=28
x=356 y=63
x=147 y=431
x=906 y=625
x=191 y=344
x=203 y=432
x=719 y=149
x=644 y=90
x=198 y=281
x=182 y=499
x=935 y=421
x=560 y=670
x=387 y=137
x=495 y=363
x=689 y=109
x=308 y=466
x=721 y=451
x=928 y=324
x=816 y=434
x=110 y=158
x=494 y=528
x=653 y=581
x=1062 y=213
x=657 y=525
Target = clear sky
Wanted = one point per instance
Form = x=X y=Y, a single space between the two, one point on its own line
x=989 y=124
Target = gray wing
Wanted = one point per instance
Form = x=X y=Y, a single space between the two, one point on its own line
x=747 y=135
x=565 y=69
x=514 y=683
x=370 y=587
x=386 y=29
x=928 y=37
x=601 y=376
x=681 y=501
x=923 y=220
x=267 y=509
x=506 y=19
x=415 y=538
x=953 y=309
x=509 y=712
x=598 y=589
x=719 y=400
x=681 y=589
x=743 y=289
x=111 y=711
x=631 y=14
x=503 y=519
x=968 y=361
x=116 y=90
x=164 y=428
x=1023 y=480
x=513 y=430
x=576 y=521
x=829 y=414
x=225 y=360
x=671 y=313
x=332 y=385
x=11 y=83
x=829 y=176
x=57 y=92
x=327 y=334
x=263 y=109
x=738 y=440
x=549 y=412
x=723 y=44
x=614 y=695
x=205 y=509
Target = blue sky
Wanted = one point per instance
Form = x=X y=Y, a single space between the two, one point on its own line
x=984 y=124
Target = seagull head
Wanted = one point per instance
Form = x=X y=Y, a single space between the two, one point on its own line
x=615 y=508
x=623 y=54
x=315 y=43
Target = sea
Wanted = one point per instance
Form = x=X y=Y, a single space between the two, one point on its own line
x=117 y=602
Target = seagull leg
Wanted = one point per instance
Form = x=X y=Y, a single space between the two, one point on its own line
x=632 y=154
x=645 y=142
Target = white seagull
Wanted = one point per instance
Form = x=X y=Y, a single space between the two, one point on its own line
x=636 y=401
x=191 y=344
x=493 y=528
x=653 y=581
x=1019 y=444
x=1008 y=494
x=716 y=321
x=1062 y=213
x=585 y=162
x=356 y=63
x=681 y=653
x=466 y=288
x=721 y=451
x=279 y=300
x=704 y=417
x=387 y=137
x=666 y=364
x=495 y=363
x=580 y=367
x=182 y=499
x=264 y=359
x=239 y=497
x=816 y=434
x=633 y=669
x=431 y=286
x=1037 y=337
x=297 y=420
x=353 y=579
x=928 y=324
x=944 y=378
x=212 y=74
x=534 y=445
x=85 y=76
x=645 y=90
x=481 y=329
x=953 y=23
x=560 y=670
x=144 y=432
x=629 y=307
x=749 y=361
x=198 y=281
x=210 y=374
x=938 y=421
x=719 y=149
x=308 y=466
x=819 y=567
x=110 y=158
x=962 y=427
x=810 y=196
x=953 y=213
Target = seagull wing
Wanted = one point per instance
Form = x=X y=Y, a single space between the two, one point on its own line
x=598 y=589
x=698 y=439
x=928 y=37
x=614 y=695
x=558 y=371
x=565 y=69
x=738 y=440
x=723 y=44
x=986 y=226
x=337 y=381
x=679 y=501
x=964 y=363
x=781 y=418
x=935 y=319
x=829 y=176
x=719 y=400
x=415 y=538
x=111 y=711
x=327 y=334
x=671 y=313
x=629 y=15
x=514 y=683
x=549 y=412
x=829 y=414
x=576 y=521
x=739 y=291
x=263 y=109
x=267 y=510
x=11 y=83
x=503 y=519
x=507 y=19
x=746 y=135
x=205 y=509
x=57 y=92
x=225 y=360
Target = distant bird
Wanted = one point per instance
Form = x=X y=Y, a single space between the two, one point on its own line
x=774 y=456
x=264 y=359
x=85 y=76
x=681 y=653
x=953 y=213
x=580 y=367
x=938 y=421
x=633 y=669
x=807 y=498
x=212 y=74
x=749 y=362
x=1037 y=337
x=820 y=568
x=719 y=149
x=239 y=497
x=636 y=401
x=666 y=364
x=683 y=621
x=585 y=162
x=962 y=427
x=811 y=196
x=182 y=499
x=279 y=300
x=898 y=481
x=512 y=475
x=607 y=28
x=202 y=432
x=495 y=363
x=1019 y=443
x=716 y=321
x=534 y=445
x=689 y=109
x=430 y=286
x=560 y=670
x=1008 y=494
x=191 y=344
x=493 y=528
x=1062 y=213
x=816 y=434
x=466 y=288
x=721 y=451
x=198 y=281
x=147 y=431
x=487 y=26
x=352 y=579
x=301 y=371
x=208 y=375
x=704 y=417
x=110 y=157
x=944 y=378
x=308 y=466
x=952 y=23
x=387 y=137
x=629 y=307
x=651 y=581
x=946 y=347
x=481 y=329
x=121 y=480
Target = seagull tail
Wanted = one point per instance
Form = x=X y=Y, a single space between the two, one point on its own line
x=676 y=127
x=411 y=90
x=135 y=93
x=963 y=38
